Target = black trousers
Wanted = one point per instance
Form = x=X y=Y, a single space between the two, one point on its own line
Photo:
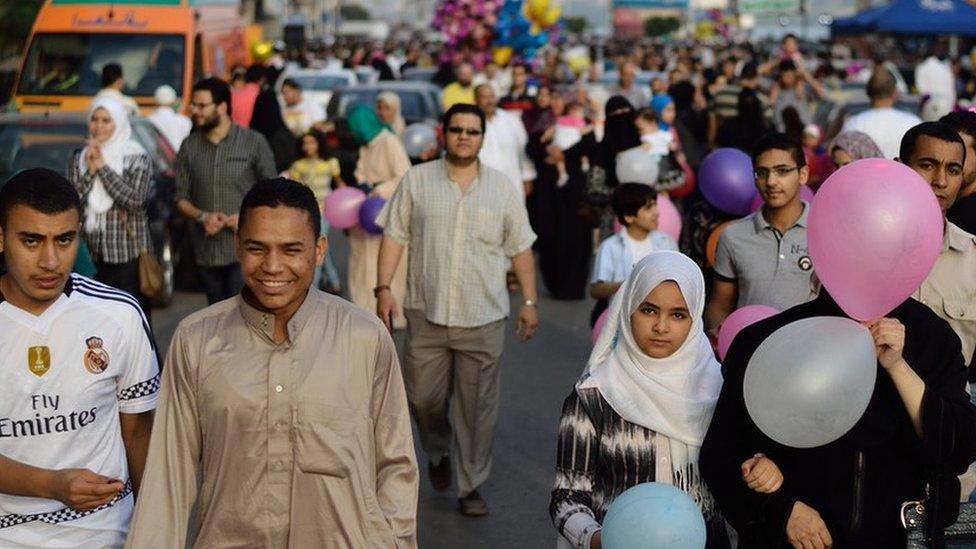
x=221 y=282
x=124 y=276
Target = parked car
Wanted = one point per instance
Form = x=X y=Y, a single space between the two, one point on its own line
x=367 y=74
x=419 y=102
x=419 y=74
x=318 y=84
x=48 y=140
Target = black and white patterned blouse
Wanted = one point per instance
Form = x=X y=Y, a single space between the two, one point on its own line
x=598 y=457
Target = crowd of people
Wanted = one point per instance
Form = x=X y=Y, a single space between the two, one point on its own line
x=282 y=414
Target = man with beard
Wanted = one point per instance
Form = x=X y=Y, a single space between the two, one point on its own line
x=217 y=164
x=963 y=211
x=462 y=89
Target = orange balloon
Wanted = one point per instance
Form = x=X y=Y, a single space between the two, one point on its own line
x=712 y=245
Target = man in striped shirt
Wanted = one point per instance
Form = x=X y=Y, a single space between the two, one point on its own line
x=462 y=221
x=216 y=166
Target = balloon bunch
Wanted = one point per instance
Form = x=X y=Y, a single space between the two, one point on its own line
x=468 y=27
x=349 y=207
x=523 y=28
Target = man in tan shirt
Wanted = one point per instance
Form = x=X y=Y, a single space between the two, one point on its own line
x=287 y=403
x=462 y=221
x=937 y=152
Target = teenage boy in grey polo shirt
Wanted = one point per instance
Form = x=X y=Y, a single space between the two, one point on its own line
x=763 y=259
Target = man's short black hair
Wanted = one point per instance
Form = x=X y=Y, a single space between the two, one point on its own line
x=281 y=191
x=40 y=189
x=291 y=83
x=629 y=198
x=219 y=90
x=463 y=108
x=110 y=73
x=787 y=65
x=962 y=122
x=780 y=142
x=938 y=130
x=750 y=71
x=255 y=73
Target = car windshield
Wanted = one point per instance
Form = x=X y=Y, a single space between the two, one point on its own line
x=33 y=145
x=71 y=63
x=412 y=105
x=316 y=82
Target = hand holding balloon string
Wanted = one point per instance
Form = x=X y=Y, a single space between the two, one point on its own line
x=761 y=474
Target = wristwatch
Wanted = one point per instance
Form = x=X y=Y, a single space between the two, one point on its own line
x=378 y=289
x=201 y=217
x=531 y=303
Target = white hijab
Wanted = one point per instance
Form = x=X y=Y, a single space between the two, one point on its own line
x=114 y=150
x=393 y=100
x=673 y=396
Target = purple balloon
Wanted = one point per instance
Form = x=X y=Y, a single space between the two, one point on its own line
x=874 y=232
x=806 y=193
x=368 y=213
x=727 y=181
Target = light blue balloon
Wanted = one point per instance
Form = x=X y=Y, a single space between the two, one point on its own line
x=652 y=516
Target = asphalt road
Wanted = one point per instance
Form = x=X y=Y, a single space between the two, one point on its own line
x=536 y=377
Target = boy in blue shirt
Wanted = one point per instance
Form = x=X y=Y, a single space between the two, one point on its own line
x=635 y=206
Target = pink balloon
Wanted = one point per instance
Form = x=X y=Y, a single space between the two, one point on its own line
x=617 y=227
x=342 y=207
x=669 y=219
x=806 y=193
x=601 y=321
x=875 y=232
x=739 y=319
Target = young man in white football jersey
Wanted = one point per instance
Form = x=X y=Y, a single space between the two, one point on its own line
x=80 y=379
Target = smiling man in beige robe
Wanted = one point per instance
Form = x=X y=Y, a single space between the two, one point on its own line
x=287 y=402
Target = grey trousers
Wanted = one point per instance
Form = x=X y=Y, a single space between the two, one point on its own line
x=463 y=362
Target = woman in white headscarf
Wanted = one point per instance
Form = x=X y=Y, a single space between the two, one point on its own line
x=641 y=409
x=113 y=175
x=388 y=109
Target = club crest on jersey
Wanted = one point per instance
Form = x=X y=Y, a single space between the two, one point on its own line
x=96 y=358
x=39 y=360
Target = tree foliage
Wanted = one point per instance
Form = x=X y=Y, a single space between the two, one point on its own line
x=354 y=12
x=660 y=26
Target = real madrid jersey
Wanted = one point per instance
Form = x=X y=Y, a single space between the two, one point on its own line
x=67 y=374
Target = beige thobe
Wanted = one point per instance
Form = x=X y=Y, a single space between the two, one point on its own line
x=381 y=163
x=301 y=444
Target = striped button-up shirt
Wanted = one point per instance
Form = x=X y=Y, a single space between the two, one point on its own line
x=459 y=243
x=129 y=191
x=215 y=178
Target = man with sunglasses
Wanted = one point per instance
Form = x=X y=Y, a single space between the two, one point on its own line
x=463 y=222
x=216 y=166
x=762 y=259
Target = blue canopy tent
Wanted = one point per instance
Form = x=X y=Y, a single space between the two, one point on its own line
x=932 y=17
x=859 y=23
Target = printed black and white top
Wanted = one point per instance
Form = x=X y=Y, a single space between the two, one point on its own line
x=68 y=374
x=598 y=457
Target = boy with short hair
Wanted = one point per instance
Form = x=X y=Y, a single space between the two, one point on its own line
x=635 y=206
x=763 y=258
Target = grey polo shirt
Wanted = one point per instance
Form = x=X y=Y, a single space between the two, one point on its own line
x=770 y=268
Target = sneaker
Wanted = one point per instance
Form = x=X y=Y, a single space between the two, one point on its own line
x=440 y=474
x=472 y=505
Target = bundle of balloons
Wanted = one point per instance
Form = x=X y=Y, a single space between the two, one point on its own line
x=810 y=381
x=349 y=207
x=523 y=28
x=498 y=30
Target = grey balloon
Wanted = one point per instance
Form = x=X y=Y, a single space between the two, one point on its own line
x=637 y=166
x=810 y=381
x=418 y=138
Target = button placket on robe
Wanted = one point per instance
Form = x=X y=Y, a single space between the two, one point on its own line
x=279 y=415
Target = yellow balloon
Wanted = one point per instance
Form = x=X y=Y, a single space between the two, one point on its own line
x=535 y=29
x=551 y=17
x=262 y=51
x=502 y=55
x=538 y=8
x=579 y=64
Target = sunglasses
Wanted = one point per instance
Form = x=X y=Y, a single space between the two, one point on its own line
x=470 y=132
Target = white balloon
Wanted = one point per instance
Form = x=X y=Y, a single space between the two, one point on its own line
x=810 y=381
x=418 y=138
x=637 y=166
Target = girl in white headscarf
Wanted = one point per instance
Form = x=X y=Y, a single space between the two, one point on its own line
x=641 y=409
x=113 y=175
x=388 y=109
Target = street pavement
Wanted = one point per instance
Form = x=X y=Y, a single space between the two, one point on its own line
x=536 y=378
